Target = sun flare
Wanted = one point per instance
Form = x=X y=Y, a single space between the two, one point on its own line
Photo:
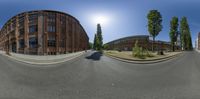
x=99 y=19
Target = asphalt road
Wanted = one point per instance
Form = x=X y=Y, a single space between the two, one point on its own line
x=93 y=76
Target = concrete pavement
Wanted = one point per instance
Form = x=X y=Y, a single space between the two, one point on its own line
x=44 y=59
x=93 y=76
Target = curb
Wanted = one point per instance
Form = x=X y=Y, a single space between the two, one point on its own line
x=198 y=51
x=50 y=63
x=143 y=61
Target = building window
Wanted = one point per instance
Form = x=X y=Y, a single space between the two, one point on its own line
x=21 y=43
x=33 y=29
x=63 y=20
x=51 y=22
x=32 y=42
x=21 y=21
x=51 y=41
x=51 y=18
x=13 y=25
x=21 y=31
x=12 y=33
x=62 y=43
x=33 y=18
x=51 y=28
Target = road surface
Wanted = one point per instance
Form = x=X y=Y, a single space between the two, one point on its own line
x=93 y=76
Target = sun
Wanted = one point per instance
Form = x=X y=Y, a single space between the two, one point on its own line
x=100 y=19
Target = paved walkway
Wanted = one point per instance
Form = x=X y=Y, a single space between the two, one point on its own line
x=95 y=76
x=197 y=50
x=48 y=59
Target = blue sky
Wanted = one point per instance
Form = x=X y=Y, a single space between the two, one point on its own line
x=125 y=17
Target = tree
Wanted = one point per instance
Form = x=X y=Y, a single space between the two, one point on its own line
x=154 y=24
x=105 y=46
x=100 y=38
x=186 y=41
x=173 y=31
x=95 y=42
x=98 y=43
x=90 y=45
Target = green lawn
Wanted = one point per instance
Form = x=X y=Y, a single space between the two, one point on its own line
x=128 y=55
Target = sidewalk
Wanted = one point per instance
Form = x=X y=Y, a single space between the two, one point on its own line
x=197 y=50
x=42 y=60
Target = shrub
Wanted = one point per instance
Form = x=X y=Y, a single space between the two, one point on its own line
x=149 y=54
x=138 y=51
x=141 y=53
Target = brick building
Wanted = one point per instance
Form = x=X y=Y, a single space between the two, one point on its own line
x=43 y=32
x=127 y=43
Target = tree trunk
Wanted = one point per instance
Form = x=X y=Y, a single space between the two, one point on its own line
x=153 y=44
x=173 y=49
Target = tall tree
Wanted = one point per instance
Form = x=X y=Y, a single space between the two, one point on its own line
x=173 y=31
x=98 y=47
x=95 y=42
x=186 y=40
x=90 y=45
x=100 y=38
x=154 y=24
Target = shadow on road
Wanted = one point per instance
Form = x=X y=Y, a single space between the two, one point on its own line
x=96 y=56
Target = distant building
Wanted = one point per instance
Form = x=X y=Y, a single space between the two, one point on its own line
x=43 y=32
x=178 y=42
x=197 y=42
x=127 y=43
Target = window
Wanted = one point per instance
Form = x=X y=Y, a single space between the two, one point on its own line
x=21 y=43
x=51 y=17
x=13 y=25
x=21 y=21
x=63 y=20
x=51 y=22
x=51 y=28
x=33 y=29
x=12 y=33
x=62 y=43
x=32 y=42
x=33 y=18
x=52 y=41
x=21 y=31
x=9 y=27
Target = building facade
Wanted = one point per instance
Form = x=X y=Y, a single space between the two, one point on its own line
x=197 y=42
x=127 y=43
x=43 y=32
